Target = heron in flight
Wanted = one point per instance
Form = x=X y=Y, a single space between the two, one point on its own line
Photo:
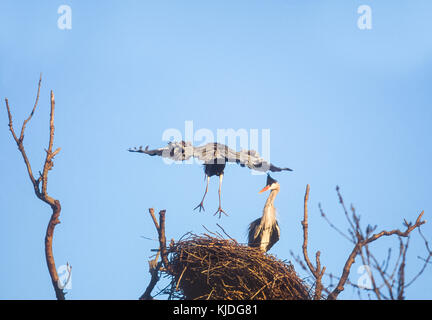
x=214 y=157
x=264 y=232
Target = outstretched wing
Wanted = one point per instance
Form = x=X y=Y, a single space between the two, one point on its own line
x=252 y=160
x=177 y=151
x=212 y=153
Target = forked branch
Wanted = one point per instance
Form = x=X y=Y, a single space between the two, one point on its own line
x=155 y=265
x=40 y=184
x=316 y=271
x=363 y=241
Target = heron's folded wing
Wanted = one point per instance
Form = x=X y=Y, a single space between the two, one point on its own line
x=253 y=231
x=275 y=234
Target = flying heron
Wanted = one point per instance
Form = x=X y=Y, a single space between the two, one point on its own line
x=215 y=156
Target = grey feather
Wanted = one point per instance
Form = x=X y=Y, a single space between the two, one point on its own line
x=212 y=153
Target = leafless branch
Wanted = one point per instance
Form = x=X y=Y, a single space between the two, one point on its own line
x=317 y=271
x=332 y=225
x=42 y=194
x=394 y=282
x=426 y=260
x=363 y=242
x=154 y=265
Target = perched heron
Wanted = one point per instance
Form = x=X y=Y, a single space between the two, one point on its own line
x=215 y=156
x=264 y=232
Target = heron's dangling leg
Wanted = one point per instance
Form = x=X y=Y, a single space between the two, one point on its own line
x=220 y=208
x=201 y=206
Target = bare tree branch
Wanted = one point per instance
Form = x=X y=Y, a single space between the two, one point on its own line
x=332 y=225
x=34 y=108
x=426 y=261
x=154 y=265
x=394 y=282
x=317 y=271
x=361 y=243
x=42 y=194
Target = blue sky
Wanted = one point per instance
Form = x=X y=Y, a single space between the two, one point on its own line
x=344 y=106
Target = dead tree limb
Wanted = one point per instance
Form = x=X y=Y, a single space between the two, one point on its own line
x=41 y=183
x=162 y=237
x=395 y=281
x=365 y=241
x=425 y=260
x=154 y=265
x=317 y=271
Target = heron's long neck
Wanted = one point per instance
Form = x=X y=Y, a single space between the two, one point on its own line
x=269 y=210
x=268 y=220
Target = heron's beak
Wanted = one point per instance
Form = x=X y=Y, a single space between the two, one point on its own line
x=264 y=189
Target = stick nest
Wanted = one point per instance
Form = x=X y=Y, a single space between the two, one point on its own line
x=205 y=267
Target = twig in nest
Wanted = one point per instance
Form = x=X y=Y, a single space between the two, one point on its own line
x=216 y=268
x=223 y=230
